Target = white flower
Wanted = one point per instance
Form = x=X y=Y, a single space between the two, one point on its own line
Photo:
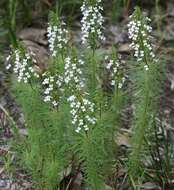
x=146 y=67
x=47 y=99
x=8 y=66
x=22 y=66
x=82 y=112
x=116 y=72
x=53 y=88
x=92 y=22
x=57 y=38
x=54 y=103
x=140 y=33
x=73 y=74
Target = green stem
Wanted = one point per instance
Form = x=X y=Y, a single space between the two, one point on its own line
x=93 y=70
x=140 y=128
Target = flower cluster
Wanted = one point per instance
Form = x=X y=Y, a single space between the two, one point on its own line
x=117 y=77
x=23 y=65
x=92 y=22
x=73 y=74
x=54 y=84
x=57 y=38
x=139 y=32
x=8 y=66
x=53 y=87
x=82 y=112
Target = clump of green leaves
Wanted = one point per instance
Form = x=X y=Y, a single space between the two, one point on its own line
x=72 y=113
x=146 y=82
x=44 y=150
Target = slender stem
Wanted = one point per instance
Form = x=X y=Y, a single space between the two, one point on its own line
x=93 y=69
x=30 y=83
x=140 y=126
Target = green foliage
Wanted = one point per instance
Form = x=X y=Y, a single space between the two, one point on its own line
x=160 y=162
x=52 y=143
x=92 y=163
x=93 y=150
x=91 y=71
x=146 y=106
x=69 y=7
x=46 y=149
x=146 y=89
x=45 y=152
x=116 y=9
x=146 y=98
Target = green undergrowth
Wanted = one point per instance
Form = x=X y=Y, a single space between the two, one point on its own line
x=45 y=150
x=51 y=143
x=74 y=109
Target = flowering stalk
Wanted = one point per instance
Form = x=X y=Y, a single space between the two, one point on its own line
x=115 y=72
x=53 y=88
x=139 y=32
x=82 y=109
x=54 y=79
x=22 y=65
x=57 y=36
x=146 y=78
x=92 y=22
x=73 y=75
x=84 y=121
x=92 y=32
